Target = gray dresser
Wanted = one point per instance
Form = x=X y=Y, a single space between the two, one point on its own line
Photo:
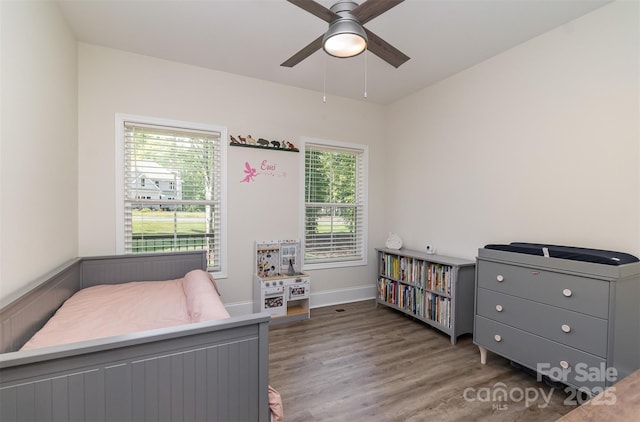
x=570 y=320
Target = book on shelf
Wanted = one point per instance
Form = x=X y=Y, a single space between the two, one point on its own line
x=416 y=286
x=433 y=276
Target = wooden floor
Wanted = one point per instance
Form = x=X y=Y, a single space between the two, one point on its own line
x=355 y=362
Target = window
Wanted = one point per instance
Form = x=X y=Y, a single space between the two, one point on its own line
x=335 y=205
x=184 y=207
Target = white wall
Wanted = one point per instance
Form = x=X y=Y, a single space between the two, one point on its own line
x=539 y=144
x=112 y=81
x=38 y=149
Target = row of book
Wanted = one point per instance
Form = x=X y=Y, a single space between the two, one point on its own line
x=428 y=275
x=416 y=301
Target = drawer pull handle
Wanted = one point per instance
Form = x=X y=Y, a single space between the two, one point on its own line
x=566 y=328
x=500 y=278
x=564 y=364
x=497 y=337
x=567 y=292
x=499 y=308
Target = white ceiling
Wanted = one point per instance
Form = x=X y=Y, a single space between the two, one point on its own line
x=252 y=37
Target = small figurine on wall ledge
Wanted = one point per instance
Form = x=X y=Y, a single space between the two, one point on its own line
x=249 y=141
x=291 y=146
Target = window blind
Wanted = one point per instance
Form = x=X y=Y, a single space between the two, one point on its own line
x=334 y=204
x=172 y=190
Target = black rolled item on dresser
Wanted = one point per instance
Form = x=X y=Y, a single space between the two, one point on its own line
x=598 y=256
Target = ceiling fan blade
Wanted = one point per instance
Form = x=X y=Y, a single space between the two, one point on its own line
x=373 y=8
x=311 y=48
x=316 y=9
x=384 y=50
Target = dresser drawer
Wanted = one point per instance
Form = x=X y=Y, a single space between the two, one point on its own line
x=581 y=294
x=574 y=329
x=536 y=353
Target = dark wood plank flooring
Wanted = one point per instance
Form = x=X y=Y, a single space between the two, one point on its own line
x=358 y=362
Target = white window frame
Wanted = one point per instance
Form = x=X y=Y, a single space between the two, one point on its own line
x=365 y=189
x=120 y=120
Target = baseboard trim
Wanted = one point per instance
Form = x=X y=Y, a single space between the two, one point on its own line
x=336 y=297
x=317 y=300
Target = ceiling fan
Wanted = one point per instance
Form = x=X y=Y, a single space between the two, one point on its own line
x=346 y=36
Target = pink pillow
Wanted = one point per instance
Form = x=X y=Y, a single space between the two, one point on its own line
x=203 y=298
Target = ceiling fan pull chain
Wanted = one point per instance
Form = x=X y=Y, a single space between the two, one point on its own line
x=324 y=81
x=365 y=73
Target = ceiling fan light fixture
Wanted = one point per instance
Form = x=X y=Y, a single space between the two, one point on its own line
x=344 y=38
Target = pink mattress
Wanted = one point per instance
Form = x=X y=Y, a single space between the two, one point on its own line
x=111 y=310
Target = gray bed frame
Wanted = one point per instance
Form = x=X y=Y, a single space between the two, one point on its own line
x=209 y=371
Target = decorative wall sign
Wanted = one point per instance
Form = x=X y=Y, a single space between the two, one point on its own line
x=250 y=142
x=264 y=168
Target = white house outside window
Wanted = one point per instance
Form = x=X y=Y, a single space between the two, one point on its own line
x=335 y=204
x=172 y=188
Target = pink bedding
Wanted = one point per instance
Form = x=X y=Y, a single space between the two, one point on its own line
x=110 y=310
